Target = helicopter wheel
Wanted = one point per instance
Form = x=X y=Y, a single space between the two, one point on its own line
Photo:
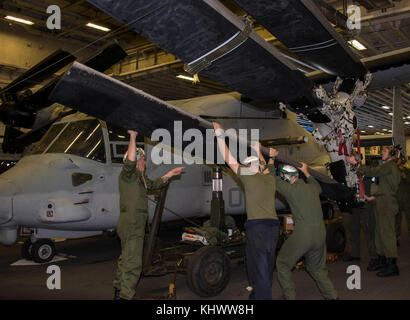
x=26 y=250
x=43 y=250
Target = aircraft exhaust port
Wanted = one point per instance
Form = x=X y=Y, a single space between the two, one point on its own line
x=64 y=210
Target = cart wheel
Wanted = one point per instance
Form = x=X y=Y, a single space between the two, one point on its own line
x=26 y=250
x=43 y=250
x=335 y=237
x=208 y=271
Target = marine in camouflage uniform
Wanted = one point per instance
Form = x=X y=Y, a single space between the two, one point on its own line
x=309 y=236
x=133 y=187
x=386 y=209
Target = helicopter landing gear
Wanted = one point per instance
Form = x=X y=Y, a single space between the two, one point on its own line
x=26 y=249
x=41 y=250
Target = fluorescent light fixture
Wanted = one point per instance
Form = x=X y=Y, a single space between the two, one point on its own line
x=185 y=77
x=377 y=132
x=370 y=126
x=390 y=113
x=384 y=129
x=363 y=131
x=390 y=131
x=385 y=107
x=407 y=122
x=194 y=79
x=357 y=45
x=19 y=20
x=95 y=26
x=408 y=117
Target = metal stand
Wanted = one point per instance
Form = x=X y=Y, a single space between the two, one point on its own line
x=156 y=221
x=217 y=203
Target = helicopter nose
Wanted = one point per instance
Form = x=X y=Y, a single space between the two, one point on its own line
x=7 y=190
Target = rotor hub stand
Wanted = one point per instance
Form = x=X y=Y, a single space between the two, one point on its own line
x=217 y=202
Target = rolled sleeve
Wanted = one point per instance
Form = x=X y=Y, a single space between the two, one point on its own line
x=155 y=184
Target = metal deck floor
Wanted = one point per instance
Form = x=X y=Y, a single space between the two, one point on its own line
x=90 y=275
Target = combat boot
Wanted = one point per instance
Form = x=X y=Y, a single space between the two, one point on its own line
x=377 y=264
x=116 y=294
x=390 y=270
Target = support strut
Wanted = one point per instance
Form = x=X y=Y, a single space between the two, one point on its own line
x=217 y=203
x=156 y=221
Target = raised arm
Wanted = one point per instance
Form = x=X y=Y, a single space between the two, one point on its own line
x=257 y=147
x=272 y=154
x=172 y=173
x=309 y=179
x=131 y=152
x=129 y=170
x=161 y=182
x=365 y=170
x=223 y=148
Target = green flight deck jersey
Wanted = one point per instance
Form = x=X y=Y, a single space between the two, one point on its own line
x=259 y=191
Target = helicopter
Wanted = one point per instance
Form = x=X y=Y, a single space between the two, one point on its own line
x=68 y=186
x=244 y=63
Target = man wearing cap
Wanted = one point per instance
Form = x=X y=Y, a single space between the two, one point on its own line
x=262 y=225
x=308 y=238
x=133 y=187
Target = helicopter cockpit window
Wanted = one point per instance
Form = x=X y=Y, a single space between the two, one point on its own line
x=82 y=138
x=119 y=139
x=48 y=138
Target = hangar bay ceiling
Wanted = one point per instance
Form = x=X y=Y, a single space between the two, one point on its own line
x=385 y=29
